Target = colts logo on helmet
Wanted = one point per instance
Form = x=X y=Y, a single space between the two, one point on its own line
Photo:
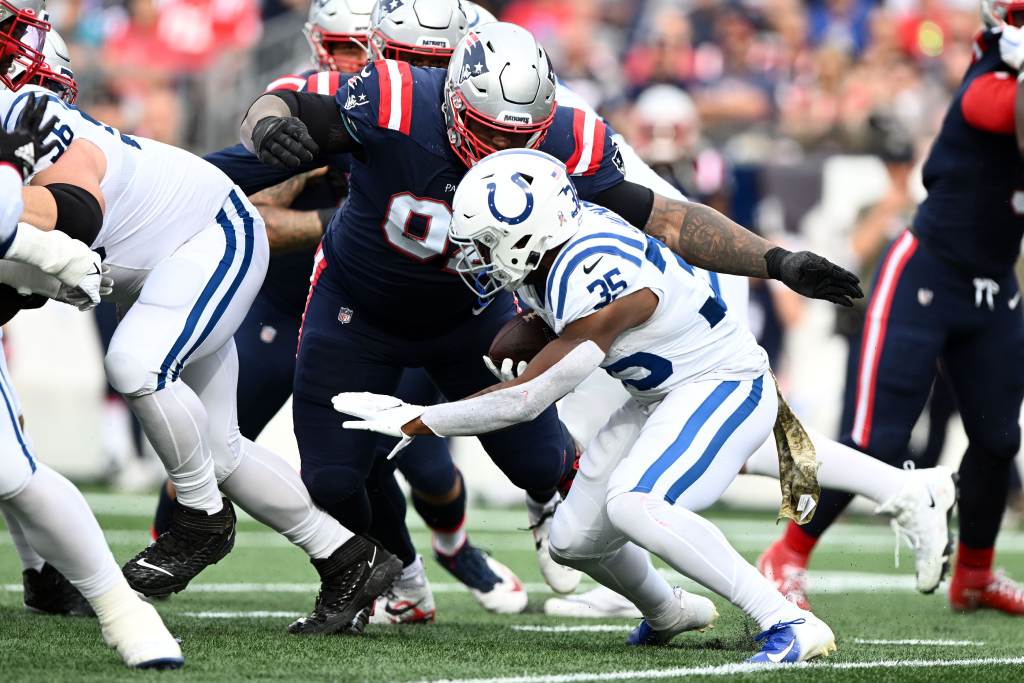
x=474 y=62
x=511 y=220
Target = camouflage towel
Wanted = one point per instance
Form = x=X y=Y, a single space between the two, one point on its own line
x=798 y=466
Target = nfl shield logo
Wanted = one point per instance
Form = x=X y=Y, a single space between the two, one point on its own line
x=344 y=315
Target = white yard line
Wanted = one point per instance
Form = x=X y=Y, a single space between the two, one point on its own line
x=733 y=669
x=913 y=641
x=242 y=615
x=567 y=628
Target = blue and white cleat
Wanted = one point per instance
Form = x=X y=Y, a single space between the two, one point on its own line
x=795 y=641
x=696 y=613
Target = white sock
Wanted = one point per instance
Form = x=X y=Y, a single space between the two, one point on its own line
x=628 y=571
x=269 y=489
x=696 y=548
x=414 y=572
x=176 y=424
x=113 y=603
x=449 y=542
x=841 y=468
x=30 y=559
x=59 y=525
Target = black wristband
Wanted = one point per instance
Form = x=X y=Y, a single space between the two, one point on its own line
x=773 y=261
x=325 y=217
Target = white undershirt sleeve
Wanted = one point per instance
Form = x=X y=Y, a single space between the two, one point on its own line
x=521 y=403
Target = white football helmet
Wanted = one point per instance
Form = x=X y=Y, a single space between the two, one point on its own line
x=23 y=29
x=339 y=23
x=476 y=14
x=417 y=31
x=998 y=12
x=55 y=74
x=508 y=211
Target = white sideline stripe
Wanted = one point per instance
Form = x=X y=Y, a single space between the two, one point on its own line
x=913 y=641
x=513 y=542
x=733 y=669
x=591 y=628
x=242 y=615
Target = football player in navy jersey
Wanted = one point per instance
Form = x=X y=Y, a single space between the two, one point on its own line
x=296 y=210
x=384 y=295
x=945 y=293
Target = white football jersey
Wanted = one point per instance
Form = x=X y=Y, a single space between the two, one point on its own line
x=157 y=196
x=690 y=337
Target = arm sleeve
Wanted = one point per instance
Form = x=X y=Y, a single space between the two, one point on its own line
x=630 y=200
x=987 y=103
x=519 y=403
x=322 y=117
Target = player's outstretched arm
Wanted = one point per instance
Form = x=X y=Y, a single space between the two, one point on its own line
x=286 y=129
x=707 y=239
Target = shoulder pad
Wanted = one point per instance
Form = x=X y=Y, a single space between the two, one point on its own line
x=380 y=95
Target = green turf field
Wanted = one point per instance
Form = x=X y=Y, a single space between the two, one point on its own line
x=232 y=620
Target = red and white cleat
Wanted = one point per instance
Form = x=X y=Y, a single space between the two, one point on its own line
x=788 y=571
x=970 y=591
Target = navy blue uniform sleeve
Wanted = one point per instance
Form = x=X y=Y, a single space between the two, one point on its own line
x=248 y=172
x=583 y=141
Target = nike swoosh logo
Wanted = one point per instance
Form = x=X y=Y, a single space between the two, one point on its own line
x=592 y=266
x=398 y=611
x=776 y=658
x=931 y=498
x=147 y=565
x=373 y=558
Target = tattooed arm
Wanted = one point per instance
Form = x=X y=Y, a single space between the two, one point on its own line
x=705 y=238
x=290 y=229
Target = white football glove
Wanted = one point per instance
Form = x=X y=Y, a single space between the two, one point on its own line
x=380 y=413
x=1011 y=46
x=90 y=290
x=508 y=371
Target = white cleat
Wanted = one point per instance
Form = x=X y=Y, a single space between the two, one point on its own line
x=921 y=512
x=696 y=613
x=798 y=640
x=596 y=603
x=408 y=601
x=140 y=637
x=560 y=578
x=494 y=585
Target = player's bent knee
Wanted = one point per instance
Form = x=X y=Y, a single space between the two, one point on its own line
x=14 y=480
x=999 y=446
x=128 y=374
x=626 y=511
x=331 y=487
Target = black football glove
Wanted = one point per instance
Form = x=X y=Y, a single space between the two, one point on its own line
x=813 y=276
x=24 y=145
x=283 y=142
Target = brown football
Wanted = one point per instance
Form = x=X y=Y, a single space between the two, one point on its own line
x=521 y=338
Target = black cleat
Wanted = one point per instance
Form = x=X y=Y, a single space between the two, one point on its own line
x=350 y=581
x=47 y=591
x=194 y=541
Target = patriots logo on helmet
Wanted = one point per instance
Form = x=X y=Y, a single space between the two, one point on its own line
x=474 y=62
x=391 y=5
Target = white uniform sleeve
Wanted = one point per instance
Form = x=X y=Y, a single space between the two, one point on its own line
x=521 y=403
x=592 y=272
x=11 y=205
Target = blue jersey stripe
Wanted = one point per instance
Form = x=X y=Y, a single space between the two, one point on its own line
x=218 y=313
x=686 y=437
x=629 y=242
x=8 y=392
x=580 y=258
x=717 y=441
x=192 y=321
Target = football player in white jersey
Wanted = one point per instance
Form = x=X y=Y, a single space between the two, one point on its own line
x=43 y=509
x=188 y=253
x=702 y=398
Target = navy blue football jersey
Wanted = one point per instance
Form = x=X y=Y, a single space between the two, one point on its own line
x=974 y=213
x=388 y=246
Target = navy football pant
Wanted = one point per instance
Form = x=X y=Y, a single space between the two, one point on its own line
x=923 y=313
x=340 y=351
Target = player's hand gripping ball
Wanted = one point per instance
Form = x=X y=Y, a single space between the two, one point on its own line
x=515 y=345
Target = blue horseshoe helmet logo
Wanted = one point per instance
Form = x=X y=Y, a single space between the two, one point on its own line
x=511 y=220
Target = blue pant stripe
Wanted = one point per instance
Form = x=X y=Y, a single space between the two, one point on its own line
x=724 y=432
x=686 y=437
x=15 y=425
x=218 y=312
x=204 y=299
